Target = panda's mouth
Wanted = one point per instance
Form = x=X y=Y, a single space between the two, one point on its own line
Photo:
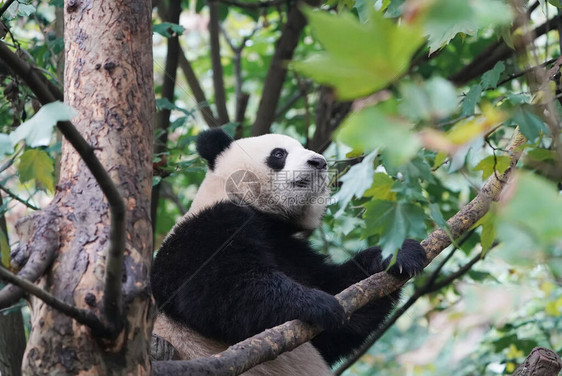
x=302 y=183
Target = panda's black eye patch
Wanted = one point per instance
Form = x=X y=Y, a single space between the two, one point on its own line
x=277 y=158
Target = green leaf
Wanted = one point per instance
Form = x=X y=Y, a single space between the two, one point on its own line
x=356 y=181
x=541 y=155
x=4 y=249
x=489 y=233
x=372 y=128
x=437 y=217
x=490 y=164
x=471 y=99
x=359 y=58
x=381 y=189
x=531 y=220
x=529 y=124
x=38 y=130
x=167 y=29
x=490 y=78
x=36 y=165
x=393 y=222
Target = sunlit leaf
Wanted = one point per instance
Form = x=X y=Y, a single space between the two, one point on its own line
x=4 y=249
x=381 y=189
x=490 y=164
x=38 y=130
x=36 y=165
x=359 y=58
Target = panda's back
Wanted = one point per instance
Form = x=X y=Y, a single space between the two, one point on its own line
x=223 y=240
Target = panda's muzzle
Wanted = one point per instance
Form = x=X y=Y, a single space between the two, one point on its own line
x=318 y=163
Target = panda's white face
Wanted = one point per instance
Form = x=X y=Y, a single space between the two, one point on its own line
x=272 y=173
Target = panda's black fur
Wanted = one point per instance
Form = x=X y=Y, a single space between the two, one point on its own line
x=230 y=272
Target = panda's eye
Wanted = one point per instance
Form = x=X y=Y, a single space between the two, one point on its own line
x=279 y=153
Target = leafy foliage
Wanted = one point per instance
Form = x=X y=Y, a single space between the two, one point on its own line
x=415 y=147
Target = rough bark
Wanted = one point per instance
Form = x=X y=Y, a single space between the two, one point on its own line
x=12 y=335
x=540 y=362
x=108 y=81
x=272 y=342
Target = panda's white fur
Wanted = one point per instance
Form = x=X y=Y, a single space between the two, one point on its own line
x=249 y=154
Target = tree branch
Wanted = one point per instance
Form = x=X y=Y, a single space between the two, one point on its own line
x=198 y=93
x=17 y=198
x=218 y=77
x=428 y=287
x=114 y=260
x=497 y=51
x=278 y=71
x=272 y=342
x=39 y=241
x=82 y=316
x=540 y=362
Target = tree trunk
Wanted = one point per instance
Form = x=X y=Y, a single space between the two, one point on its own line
x=108 y=81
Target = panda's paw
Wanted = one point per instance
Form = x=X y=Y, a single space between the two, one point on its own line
x=410 y=260
x=324 y=311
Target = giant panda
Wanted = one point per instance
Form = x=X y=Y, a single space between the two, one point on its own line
x=237 y=263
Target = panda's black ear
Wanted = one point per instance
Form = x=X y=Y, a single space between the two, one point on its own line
x=211 y=143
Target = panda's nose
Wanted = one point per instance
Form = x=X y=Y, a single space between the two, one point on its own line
x=318 y=163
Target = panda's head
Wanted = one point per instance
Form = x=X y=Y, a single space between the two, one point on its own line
x=272 y=173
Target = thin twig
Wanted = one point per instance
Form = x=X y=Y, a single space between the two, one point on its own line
x=17 y=198
x=114 y=261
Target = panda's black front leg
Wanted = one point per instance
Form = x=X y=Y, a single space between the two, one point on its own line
x=336 y=344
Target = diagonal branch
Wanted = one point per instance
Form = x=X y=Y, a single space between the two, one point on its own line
x=272 y=342
x=82 y=316
x=114 y=262
x=278 y=71
x=218 y=77
x=198 y=93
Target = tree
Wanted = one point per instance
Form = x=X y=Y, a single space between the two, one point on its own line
x=98 y=278
x=414 y=103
